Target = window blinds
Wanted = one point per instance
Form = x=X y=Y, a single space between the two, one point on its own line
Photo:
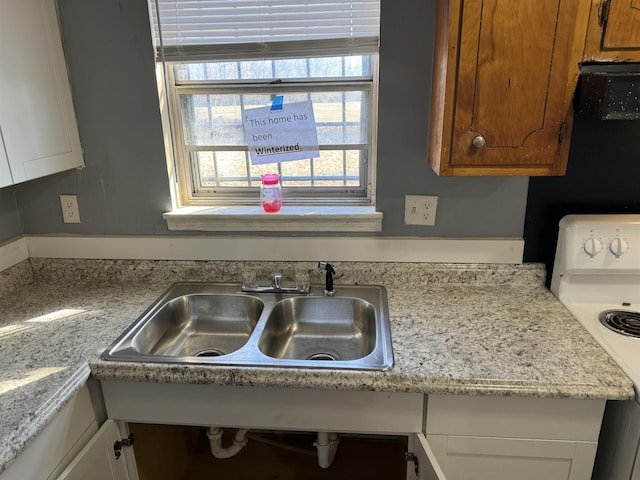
x=196 y=30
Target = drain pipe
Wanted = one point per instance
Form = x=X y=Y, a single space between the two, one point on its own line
x=215 y=441
x=327 y=444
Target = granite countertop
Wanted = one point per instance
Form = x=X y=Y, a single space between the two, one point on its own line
x=460 y=329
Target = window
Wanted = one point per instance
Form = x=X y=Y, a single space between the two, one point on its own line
x=222 y=58
x=210 y=99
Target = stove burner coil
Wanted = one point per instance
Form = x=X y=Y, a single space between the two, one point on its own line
x=621 y=321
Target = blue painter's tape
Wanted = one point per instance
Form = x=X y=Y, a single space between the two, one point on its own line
x=277 y=102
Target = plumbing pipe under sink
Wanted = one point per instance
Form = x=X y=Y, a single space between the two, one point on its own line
x=215 y=441
x=327 y=444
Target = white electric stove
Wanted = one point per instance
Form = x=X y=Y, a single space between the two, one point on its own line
x=596 y=275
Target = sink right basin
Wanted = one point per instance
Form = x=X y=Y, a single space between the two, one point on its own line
x=320 y=328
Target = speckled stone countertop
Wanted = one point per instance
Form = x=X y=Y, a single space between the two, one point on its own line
x=460 y=329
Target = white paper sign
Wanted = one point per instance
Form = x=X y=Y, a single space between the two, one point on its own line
x=281 y=134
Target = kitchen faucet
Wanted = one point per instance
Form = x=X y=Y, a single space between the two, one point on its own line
x=276 y=285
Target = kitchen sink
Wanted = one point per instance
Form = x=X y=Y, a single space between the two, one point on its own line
x=218 y=324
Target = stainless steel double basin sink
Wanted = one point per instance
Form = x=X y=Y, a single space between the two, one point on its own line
x=218 y=324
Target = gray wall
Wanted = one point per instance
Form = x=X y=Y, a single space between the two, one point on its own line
x=10 y=222
x=124 y=187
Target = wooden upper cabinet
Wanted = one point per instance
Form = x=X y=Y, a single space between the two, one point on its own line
x=614 y=31
x=504 y=76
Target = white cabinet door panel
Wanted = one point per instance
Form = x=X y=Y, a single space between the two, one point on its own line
x=36 y=110
x=97 y=460
x=58 y=442
x=464 y=457
x=426 y=466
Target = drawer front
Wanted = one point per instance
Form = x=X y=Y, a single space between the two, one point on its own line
x=516 y=417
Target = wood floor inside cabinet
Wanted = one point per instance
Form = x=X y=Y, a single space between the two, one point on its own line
x=167 y=452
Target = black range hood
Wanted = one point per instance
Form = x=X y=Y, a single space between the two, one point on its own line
x=608 y=92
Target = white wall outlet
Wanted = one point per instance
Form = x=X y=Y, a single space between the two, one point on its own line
x=420 y=209
x=70 y=212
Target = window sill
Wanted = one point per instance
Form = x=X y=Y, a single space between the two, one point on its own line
x=289 y=219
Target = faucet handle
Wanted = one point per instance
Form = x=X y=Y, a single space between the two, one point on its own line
x=276 y=280
x=249 y=279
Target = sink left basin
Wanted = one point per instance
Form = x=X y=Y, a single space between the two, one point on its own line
x=199 y=325
x=190 y=320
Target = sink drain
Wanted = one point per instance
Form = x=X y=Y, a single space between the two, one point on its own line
x=322 y=356
x=210 y=352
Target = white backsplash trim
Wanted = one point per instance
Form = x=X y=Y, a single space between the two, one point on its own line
x=355 y=249
x=13 y=252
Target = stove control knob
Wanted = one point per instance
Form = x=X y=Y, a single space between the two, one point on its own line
x=618 y=246
x=592 y=246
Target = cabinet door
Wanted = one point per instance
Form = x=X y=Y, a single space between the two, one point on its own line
x=512 y=106
x=622 y=29
x=97 y=460
x=614 y=31
x=463 y=457
x=57 y=443
x=425 y=465
x=36 y=111
x=504 y=76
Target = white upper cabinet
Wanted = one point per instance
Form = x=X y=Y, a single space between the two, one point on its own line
x=5 y=173
x=37 y=120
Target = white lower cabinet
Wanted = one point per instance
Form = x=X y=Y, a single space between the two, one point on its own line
x=422 y=461
x=503 y=438
x=449 y=437
x=98 y=460
x=460 y=437
x=383 y=413
x=72 y=447
x=58 y=442
x=508 y=458
x=276 y=409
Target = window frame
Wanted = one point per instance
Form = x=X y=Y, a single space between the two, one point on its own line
x=187 y=194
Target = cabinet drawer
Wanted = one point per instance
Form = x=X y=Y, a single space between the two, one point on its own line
x=540 y=418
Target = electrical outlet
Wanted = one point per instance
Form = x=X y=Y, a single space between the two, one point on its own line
x=70 y=212
x=420 y=209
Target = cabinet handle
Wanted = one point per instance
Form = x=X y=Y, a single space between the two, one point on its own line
x=479 y=141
